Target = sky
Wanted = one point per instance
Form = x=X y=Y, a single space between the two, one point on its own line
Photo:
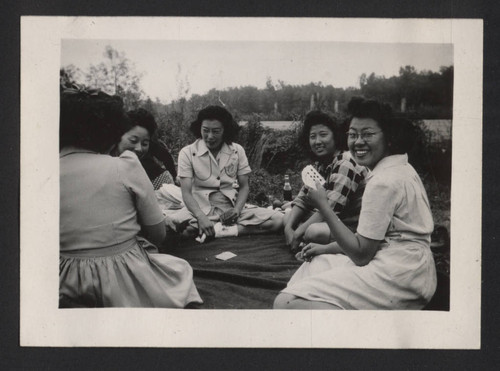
x=203 y=65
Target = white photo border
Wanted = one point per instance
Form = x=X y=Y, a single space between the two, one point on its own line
x=43 y=324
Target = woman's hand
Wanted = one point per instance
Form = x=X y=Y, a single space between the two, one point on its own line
x=311 y=250
x=317 y=196
x=205 y=226
x=298 y=234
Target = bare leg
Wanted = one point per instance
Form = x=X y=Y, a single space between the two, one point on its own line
x=318 y=233
x=285 y=218
x=272 y=225
x=288 y=301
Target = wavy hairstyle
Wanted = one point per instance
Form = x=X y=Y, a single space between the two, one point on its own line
x=321 y=118
x=143 y=118
x=231 y=128
x=399 y=132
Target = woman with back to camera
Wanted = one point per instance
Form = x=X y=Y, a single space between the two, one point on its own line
x=345 y=182
x=104 y=202
x=387 y=263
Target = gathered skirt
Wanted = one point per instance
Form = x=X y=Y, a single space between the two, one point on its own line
x=400 y=276
x=125 y=275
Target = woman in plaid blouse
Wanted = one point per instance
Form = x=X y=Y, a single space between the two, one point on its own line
x=387 y=263
x=322 y=138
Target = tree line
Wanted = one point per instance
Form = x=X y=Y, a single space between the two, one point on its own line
x=419 y=94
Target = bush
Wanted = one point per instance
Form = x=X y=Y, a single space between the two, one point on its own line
x=263 y=184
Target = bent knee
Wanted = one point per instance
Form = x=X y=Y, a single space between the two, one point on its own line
x=317 y=232
x=278 y=220
x=275 y=223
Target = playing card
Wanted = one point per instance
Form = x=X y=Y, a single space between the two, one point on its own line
x=310 y=175
x=225 y=255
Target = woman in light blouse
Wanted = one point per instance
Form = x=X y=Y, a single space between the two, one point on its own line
x=387 y=263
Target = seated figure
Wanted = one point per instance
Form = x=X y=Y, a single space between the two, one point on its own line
x=208 y=170
x=153 y=154
x=387 y=263
x=105 y=202
x=345 y=181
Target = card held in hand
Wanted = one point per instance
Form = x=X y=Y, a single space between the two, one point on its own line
x=310 y=176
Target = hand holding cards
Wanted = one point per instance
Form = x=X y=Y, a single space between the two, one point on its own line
x=310 y=176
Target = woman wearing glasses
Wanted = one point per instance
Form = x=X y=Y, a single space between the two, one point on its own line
x=387 y=263
x=323 y=140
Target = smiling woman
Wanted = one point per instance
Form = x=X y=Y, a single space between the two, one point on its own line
x=367 y=142
x=368 y=131
x=212 y=132
x=208 y=168
x=136 y=140
x=387 y=263
x=140 y=139
x=321 y=137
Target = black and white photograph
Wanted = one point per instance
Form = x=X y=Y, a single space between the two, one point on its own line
x=224 y=173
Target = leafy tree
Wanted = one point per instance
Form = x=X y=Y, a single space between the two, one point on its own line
x=428 y=95
x=69 y=75
x=116 y=75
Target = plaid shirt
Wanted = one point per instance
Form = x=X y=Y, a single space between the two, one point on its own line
x=345 y=183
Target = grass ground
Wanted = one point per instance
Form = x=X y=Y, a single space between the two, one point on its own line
x=440 y=200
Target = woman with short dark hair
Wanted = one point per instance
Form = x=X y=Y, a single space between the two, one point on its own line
x=387 y=263
x=208 y=170
x=153 y=154
x=230 y=126
x=322 y=139
x=105 y=202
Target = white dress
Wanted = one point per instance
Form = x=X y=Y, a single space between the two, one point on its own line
x=402 y=275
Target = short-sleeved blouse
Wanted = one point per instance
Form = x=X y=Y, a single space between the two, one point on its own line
x=103 y=263
x=395 y=204
x=108 y=205
x=210 y=174
x=402 y=274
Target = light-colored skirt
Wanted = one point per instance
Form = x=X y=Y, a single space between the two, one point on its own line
x=125 y=275
x=400 y=276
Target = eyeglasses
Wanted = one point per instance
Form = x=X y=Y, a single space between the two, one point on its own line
x=366 y=135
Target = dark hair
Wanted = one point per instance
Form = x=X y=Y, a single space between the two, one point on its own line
x=400 y=133
x=91 y=120
x=231 y=128
x=143 y=118
x=321 y=118
x=403 y=136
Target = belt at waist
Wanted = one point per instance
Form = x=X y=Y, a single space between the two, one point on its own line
x=101 y=251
